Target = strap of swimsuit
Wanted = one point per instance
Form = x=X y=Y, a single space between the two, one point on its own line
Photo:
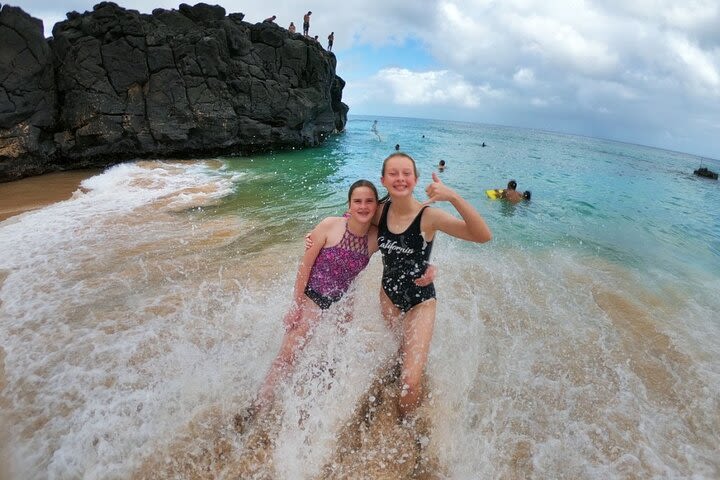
x=383 y=218
x=352 y=242
x=418 y=219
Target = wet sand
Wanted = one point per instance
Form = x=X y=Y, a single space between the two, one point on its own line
x=36 y=192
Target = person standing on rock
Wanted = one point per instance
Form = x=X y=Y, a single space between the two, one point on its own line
x=331 y=39
x=291 y=28
x=306 y=23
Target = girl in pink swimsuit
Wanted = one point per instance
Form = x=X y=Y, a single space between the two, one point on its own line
x=341 y=248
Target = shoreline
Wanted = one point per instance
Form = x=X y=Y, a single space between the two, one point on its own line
x=31 y=193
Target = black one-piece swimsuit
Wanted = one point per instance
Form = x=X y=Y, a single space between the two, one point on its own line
x=405 y=257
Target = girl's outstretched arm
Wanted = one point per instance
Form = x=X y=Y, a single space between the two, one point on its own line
x=471 y=227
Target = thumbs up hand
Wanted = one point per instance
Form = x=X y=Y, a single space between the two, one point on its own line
x=437 y=191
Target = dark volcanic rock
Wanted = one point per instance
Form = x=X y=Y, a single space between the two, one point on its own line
x=27 y=96
x=114 y=84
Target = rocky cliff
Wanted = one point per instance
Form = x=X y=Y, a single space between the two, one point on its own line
x=114 y=84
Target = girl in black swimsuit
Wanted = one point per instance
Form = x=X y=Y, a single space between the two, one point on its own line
x=406 y=233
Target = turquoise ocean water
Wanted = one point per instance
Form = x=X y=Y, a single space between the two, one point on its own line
x=625 y=203
x=581 y=342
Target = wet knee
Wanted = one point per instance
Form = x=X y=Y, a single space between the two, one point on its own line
x=410 y=390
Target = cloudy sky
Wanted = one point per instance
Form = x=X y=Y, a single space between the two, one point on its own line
x=638 y=71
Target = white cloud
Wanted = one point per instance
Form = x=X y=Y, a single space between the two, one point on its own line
x=698 y=67
x=691 y=14
x=524 y=77
x=564 y=46
x=439 y=88
x=688 y=15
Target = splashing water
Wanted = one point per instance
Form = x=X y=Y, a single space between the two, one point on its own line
x=141 y=315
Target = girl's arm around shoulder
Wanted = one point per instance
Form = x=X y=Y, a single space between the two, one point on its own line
x=378 y=213
x=372 y=240
x=471 y=226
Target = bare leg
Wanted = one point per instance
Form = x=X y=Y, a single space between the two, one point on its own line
x=418 y=325
x=293 y=342
x=391 y=314
x=414 y=336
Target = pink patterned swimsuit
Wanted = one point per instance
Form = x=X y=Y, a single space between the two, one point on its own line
x=336 y=267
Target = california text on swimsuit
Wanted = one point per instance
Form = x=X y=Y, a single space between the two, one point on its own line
x=405 y=257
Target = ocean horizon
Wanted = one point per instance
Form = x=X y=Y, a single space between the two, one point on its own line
x=583 y=341
x=714 y=161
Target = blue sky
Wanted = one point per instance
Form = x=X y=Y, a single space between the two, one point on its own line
x=645 y=71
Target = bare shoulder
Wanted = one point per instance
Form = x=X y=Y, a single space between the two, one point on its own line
x=325 y=226
x=330 y=222
x=432 y=214
x=434 y=219
x=330 y=230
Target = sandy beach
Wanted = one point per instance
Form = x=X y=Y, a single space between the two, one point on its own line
x=36 y=192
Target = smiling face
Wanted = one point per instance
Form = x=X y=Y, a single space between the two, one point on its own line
x=399 y=175
x=363 y=203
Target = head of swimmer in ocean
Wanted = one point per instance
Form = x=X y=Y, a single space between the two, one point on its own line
x=362 y=200
x=399 y=174
x=512 y=185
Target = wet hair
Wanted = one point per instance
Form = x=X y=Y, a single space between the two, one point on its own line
x=527 y=194
x=362 y=183
x=512 y=184
x=442 y=163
